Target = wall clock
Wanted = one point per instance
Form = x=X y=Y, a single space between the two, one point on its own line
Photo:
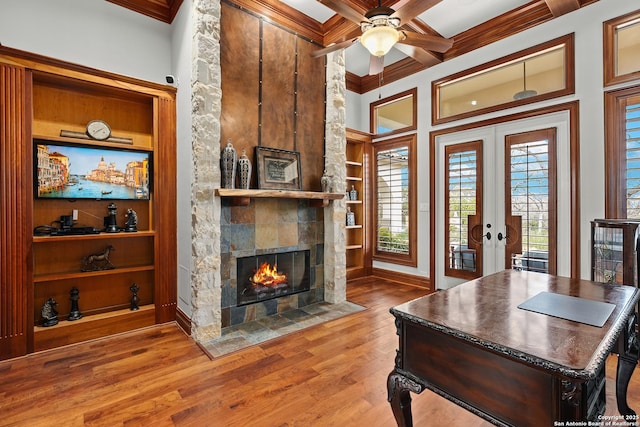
x=98 y=129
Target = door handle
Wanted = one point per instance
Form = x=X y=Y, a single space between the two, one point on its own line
x=477 y=238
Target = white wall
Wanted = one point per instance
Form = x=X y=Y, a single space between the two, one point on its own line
x=94 y=33
x=181 y=52
x=586 y=23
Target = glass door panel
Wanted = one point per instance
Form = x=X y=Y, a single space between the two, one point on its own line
x=530 y=208
x=463 y=210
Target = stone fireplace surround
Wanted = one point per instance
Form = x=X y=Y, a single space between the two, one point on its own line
x=207 y=263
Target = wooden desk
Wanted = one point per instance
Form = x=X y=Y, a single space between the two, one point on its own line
x=474 y=346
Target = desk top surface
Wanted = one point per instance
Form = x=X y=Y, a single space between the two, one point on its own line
x=485 y=312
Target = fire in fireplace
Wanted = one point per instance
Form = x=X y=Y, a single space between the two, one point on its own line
x=268 y=276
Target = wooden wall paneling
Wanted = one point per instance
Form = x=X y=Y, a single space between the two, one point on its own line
x=278 y=87
x=240 y=62
x=15 y=192
x=73 y=108
x=272 y=91
x=165 y=218
x=310 y=115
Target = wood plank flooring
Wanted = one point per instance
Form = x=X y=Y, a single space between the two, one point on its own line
x=332 y=374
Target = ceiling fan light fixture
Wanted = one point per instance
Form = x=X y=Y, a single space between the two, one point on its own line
x=379 y=40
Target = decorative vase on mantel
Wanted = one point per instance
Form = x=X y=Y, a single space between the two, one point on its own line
x=228 y=159
x=244 y=170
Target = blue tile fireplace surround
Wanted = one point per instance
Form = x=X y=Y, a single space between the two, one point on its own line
x=290 y=228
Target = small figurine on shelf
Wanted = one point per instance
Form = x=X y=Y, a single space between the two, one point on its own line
x=351 y=217
x=131 y=225
x=110 y=222
x=74 y=296
x=99 y=261
x=134 y=299
x=353 y=194
x=49 y=313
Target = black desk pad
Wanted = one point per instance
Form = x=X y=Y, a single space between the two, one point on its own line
x=594 y=313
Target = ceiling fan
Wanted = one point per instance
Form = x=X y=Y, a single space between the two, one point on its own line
x=381 y=30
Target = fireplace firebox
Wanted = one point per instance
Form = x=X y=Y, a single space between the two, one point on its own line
x=273 y=275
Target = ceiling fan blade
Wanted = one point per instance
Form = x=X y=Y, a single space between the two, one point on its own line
x=412 y=8
x=342 y=8
x=376 y=65
x=334 y=47
x=422 y=56
x=427 y=41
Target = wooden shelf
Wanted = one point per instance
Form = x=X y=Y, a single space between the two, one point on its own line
x=84 y=274
x=240 y=197
x=88 y=141
x=352 y=247
x=92 y=326
x=354 y=178
x=353 y=226
x=352 y=163
x=354 y=202
x=121 y=235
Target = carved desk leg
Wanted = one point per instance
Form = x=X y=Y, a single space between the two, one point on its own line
x=398 y=388
x=626 y=365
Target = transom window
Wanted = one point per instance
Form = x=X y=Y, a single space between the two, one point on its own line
x=541 y=72
x=394 y=114
x=622 y=49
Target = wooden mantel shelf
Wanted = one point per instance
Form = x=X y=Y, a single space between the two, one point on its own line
x=240 y=197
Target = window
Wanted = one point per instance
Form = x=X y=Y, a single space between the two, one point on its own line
x=622 y=148
x=394 y=114
x=542 y=72
x=395 y=201
x=622 y=49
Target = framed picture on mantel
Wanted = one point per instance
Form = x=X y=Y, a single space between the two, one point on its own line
x=278 y=169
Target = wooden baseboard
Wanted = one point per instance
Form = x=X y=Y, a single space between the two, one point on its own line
x=404 y=278
x=183 y=321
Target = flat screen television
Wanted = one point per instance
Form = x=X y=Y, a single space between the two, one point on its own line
x=91 y=172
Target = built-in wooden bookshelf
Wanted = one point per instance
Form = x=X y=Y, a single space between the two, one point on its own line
x=357 y=164
x=49 y=98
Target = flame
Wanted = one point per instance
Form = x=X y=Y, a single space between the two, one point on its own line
x=267 y=275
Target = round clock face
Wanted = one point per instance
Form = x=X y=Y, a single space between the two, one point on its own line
x=97 y=129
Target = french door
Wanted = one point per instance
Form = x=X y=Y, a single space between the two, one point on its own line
x=497 y=199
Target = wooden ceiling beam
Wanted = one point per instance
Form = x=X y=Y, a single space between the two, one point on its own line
x=560 y=7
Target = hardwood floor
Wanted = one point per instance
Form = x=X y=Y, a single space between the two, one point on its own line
x=332 y=374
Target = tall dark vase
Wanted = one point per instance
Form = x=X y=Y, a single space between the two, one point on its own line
x=228 y=160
